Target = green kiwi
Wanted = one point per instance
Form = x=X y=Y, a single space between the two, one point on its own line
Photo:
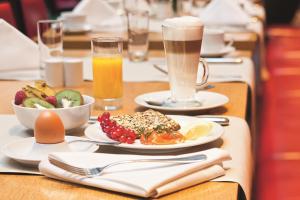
x=31 y=102
x=74 y=98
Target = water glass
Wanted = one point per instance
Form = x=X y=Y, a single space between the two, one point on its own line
x=138 y=31
x=107 y=72
x=50 y=40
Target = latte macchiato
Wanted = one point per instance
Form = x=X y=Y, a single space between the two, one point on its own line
x=182 y=41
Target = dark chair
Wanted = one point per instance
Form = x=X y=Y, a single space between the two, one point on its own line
x=62 y=5
x=7 y=14
x=33 y=11
x=57 y=6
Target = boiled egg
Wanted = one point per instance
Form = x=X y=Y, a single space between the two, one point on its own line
x=49 y=128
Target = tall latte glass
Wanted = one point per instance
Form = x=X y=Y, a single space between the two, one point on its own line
x=182 y=38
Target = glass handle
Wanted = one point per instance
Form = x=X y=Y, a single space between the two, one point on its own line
x=205 y=73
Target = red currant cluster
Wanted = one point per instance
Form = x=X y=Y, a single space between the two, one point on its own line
x=115 y=131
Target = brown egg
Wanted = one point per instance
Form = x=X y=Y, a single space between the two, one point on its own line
x=49 y=128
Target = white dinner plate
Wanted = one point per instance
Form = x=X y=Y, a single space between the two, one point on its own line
x=208 y=100
x=76 y=30
x=222 y=52
x=27 y=151
x=95 y=132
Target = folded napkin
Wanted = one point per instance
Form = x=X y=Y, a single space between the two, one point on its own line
x=18 y=52
x=141 y=179
x=100 y=15
x=252 y=8
x=224 y=12
x=137 y=5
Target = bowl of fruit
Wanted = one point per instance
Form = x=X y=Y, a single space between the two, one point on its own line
x=72 y=107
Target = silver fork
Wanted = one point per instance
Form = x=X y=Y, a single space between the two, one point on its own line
x=96 y=171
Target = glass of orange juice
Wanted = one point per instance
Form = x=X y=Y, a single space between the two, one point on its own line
x=107 y=72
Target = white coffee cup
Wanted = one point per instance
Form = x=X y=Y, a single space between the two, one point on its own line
x=54 y=72
x=213 y=41
x=73 y=72
x=73 y=21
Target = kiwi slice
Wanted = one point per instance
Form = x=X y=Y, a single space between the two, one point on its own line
x=34 y=102
x=68 y=98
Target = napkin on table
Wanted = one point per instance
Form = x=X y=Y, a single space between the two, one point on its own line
x=224 y=12
x=18 y=52
x=100 y=15
x=141 y=179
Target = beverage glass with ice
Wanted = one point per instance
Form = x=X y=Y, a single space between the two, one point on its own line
x=138 y=31
x=182 y=37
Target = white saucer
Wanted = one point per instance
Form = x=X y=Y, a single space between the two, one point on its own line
x=95 y=132
x=208 y=99
x=83 y=29
x=222 y=52
x=27 y=151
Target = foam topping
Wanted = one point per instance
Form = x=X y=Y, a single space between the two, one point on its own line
x=176 y=28
x=183 y=22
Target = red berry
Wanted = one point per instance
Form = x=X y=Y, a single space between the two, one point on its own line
x=19 y=97
x=105 y=115
x=130 y=140
x=52 y=100
x=115 y=131
x=122 y=139
x=131 y=133
x=114 y=135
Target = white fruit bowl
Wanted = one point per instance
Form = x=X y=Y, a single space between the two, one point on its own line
x=73 y=117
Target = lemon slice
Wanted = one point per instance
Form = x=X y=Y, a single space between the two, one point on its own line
x=196 y=130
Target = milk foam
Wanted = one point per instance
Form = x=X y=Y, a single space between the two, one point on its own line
x=185 y=28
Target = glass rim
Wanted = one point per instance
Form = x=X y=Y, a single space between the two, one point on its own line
x=107 y=39
x=49 y=21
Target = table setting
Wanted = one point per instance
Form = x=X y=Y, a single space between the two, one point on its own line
x=127 y=122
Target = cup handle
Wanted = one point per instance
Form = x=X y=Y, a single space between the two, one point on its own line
x=205 y=74
x=230 y=43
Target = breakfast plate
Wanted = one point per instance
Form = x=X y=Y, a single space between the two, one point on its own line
x=94 y=132
x=206 y=99
x=27 y=151
x=226 y=50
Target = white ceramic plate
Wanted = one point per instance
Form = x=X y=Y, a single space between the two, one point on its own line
x=83 y=29
x=222 y=52
x=208 y=99
x=94 y=132
x=27 y=151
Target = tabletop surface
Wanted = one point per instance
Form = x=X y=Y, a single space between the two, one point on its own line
x=39 y=187
x=245 y=40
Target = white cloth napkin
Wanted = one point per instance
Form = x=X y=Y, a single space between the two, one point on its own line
x=100 y=15
x=136 y=4
x=224 y=12
x=252 y=8
x=141 y=179
x=18 y=52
